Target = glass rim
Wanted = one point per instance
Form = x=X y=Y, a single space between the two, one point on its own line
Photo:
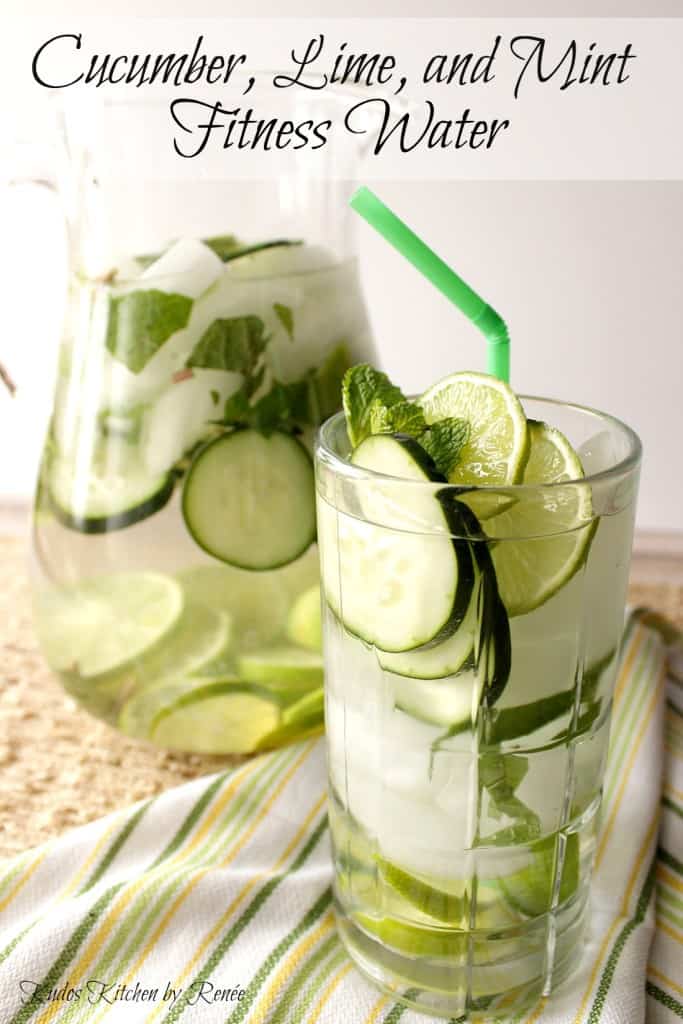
x=628 y=464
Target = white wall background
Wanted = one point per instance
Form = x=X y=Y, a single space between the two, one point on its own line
x=587 y=275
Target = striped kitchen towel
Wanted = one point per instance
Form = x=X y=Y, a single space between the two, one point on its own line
x=212 y=903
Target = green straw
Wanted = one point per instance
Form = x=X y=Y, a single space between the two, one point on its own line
x=405 y=241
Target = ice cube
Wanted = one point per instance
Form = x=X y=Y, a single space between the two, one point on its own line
x=598 y=452
x=188 y=268
x=179 y=417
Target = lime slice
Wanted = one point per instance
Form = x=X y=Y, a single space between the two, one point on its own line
x=139 y=712
x=416 y=940
x=306 y=709
x=352 y=846
x=304 y=626
x=290 y=667
x=216 y=718
x=220 y=667
x=442 y=906
x=485 y=504
x=498 y=446
x=105 y=623
x=531 y=889
x=302 y=718
x=200 y=636
x=531 y=571
x=257 y=603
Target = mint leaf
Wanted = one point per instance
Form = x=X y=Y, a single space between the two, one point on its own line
x=327 y=382
x=286 y=318
x=272 y=411
x=500 y=775
x=222 y=245
x=302 y=400
x=285 y=407
x=402 y=418
x=363 y=389
x=444 y=441
x=232 y=344
x=237 y=408
x=141 y=321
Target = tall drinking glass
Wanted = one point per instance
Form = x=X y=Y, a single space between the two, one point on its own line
x=465 y=781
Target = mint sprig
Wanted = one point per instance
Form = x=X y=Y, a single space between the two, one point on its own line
x=402 y=418
x=500 y=775
x=141 y=321
x=238 y=344
x=444 y=441
x=373 y=405
x=234 y=343
x=284 y=407
x=364 y=392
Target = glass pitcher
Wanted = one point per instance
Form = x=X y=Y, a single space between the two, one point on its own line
x=209 y=323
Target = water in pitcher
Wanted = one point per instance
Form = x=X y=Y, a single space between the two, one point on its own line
x=210 y=319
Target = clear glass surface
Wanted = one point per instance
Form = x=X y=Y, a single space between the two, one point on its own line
x=273 y=258
x=463 y=853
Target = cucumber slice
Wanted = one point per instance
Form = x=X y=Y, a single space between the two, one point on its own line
x=248 y=499
x=291 y=667
x=107 y=495
x=439 y=660
x=444 y=702
x=216 y=718
x=391 y=587
x=493 y=643
x=234 y=251
x=494 y=658
x=304 y=626
x=278 y=260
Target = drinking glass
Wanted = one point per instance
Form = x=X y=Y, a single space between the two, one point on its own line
x=464 y=803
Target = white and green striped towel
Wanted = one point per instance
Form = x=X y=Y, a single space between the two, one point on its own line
x=221 y=889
